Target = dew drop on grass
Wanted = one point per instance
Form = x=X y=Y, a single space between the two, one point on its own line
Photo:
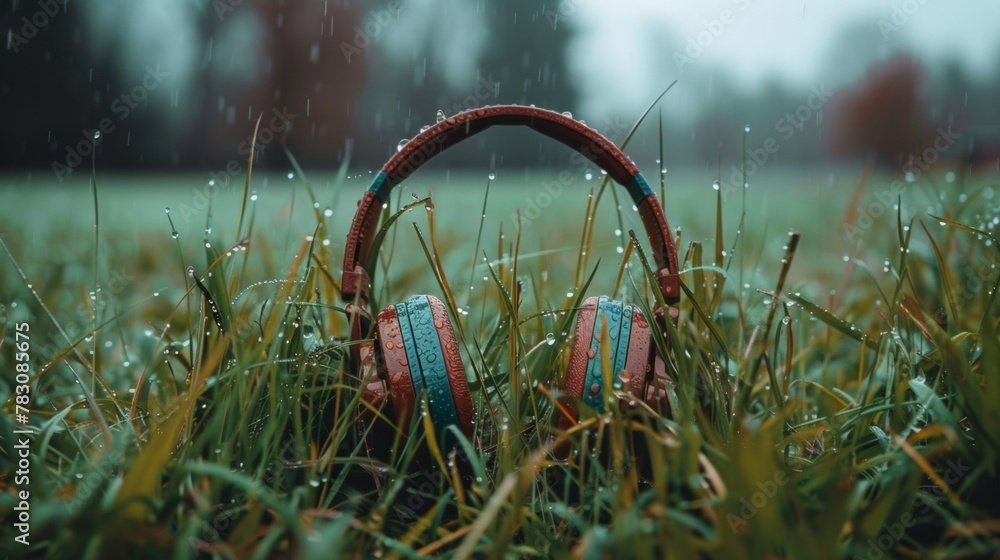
x=328 y=212
x=425 y=128
x=746 y=128
x=715 y=185
x=440 y=116
x=569 y=294
x=291 y=175
x=567 y=114
x=168 y=209
x=492 y=175
x=786 y=320
x=620 y=250
x=588 y=176
x=399 y=146
x=550 y=339
x=174 y=234
x=253 y=196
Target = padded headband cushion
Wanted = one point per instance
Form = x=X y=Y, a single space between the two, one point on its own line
x=444 y=134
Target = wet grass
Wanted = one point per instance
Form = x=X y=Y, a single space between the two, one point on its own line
x=190 y=400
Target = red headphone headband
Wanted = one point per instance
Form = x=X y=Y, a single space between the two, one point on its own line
x=578 y=136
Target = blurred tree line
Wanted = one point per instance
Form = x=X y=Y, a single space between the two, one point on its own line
x=339 y=79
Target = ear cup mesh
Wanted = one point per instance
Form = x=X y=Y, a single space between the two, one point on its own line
x=427 y=359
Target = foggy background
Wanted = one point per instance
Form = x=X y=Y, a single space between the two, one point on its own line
x=180 y=84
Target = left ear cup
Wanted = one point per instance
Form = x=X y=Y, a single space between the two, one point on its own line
x=629 y=342
x=418 y=352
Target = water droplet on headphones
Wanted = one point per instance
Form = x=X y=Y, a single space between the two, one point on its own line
x=399 y=146
x=441 y=116
x=567 y=114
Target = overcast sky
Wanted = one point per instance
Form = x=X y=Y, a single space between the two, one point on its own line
x=625 y=48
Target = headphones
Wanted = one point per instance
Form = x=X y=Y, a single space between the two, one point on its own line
x=412 y=348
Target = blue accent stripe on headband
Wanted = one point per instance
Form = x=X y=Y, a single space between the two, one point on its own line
x=638 y=188
x=380 y=186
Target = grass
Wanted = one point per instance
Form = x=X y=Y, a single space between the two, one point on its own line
x=830 y=400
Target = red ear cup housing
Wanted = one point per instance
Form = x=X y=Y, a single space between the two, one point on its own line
x=417 y=353
x=633 y=358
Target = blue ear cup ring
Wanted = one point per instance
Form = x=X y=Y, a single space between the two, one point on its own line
x=619 y=326
x=428 y=367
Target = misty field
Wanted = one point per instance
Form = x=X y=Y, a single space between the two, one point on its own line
x=835 y=369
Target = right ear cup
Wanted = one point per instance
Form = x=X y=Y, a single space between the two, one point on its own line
x=417 y=351
x=631 y=346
